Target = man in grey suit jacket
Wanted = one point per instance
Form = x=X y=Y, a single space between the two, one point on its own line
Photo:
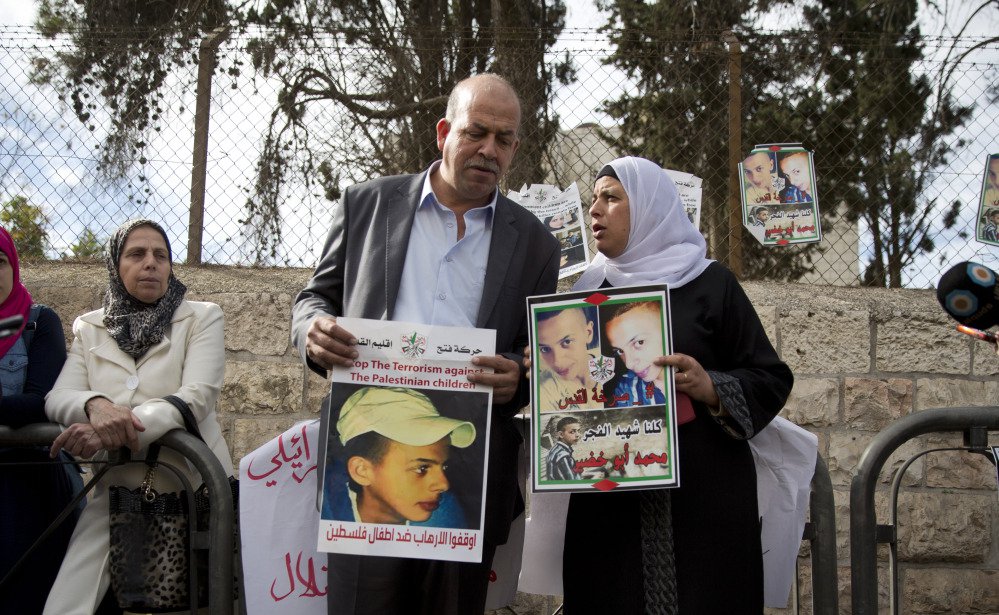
x=441 y=247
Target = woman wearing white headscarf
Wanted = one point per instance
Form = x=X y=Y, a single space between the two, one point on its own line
x=694 y=549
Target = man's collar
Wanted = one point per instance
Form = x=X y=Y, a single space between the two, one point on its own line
x=428 y=189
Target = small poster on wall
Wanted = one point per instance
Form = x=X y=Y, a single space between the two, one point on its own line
x=779 y=201
x=988 y=209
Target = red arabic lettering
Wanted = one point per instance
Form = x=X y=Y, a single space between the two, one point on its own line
x=282 y=457
x=308 y=580
x=622 y=460
x=650 y=459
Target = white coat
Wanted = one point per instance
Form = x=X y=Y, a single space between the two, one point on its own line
x=188 y=362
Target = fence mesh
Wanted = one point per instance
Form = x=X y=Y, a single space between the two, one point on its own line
x=668 y=100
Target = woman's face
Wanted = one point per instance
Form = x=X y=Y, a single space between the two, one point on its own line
x=636 y=337
x=6 y=277
x=144 y=266
x=611 y=217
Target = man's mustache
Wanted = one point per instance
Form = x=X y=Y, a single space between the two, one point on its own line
x=483 y=163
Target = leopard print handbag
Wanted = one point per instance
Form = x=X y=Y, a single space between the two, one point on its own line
x=151 y=563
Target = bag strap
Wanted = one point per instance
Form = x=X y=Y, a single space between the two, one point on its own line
x=28 y=333
x=190 y=423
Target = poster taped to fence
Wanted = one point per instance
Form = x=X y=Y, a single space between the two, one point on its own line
x=689 y=187
x=988 y=209
x=561 y=211
x=407 y=444
x=604 y=417
x=779 y=201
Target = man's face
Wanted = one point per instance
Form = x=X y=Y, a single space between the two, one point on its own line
x=610 y=216
x=562 y=342
x=570 y=434
x=994 y=173
x=478 y=145
x=406 y=485
x=636 y=337
x=757 y=169
x=796 y=168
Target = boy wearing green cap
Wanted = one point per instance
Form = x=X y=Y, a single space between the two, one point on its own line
x=396 y=448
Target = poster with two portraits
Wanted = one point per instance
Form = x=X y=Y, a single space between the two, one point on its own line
x=603 y=415
x=407 y=444
x=779 y=201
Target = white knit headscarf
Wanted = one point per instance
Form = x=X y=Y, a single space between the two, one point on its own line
x=663 y=245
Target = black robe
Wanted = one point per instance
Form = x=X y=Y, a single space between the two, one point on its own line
x=715 y=520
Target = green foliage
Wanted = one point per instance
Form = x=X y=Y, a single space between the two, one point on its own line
x=386 y=68
x=126 y=50
x=88 y=247
x=846 y=86
x=884 y=127
x=26 y=224
x=677 y=115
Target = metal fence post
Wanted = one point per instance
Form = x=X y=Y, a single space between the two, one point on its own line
x=199 y=168
x=734 y=151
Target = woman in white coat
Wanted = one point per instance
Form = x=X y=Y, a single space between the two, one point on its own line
x=145 y=343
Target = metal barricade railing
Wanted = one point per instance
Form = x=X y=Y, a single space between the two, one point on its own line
x=865 y=533
x=219 y=537
x=820 y=532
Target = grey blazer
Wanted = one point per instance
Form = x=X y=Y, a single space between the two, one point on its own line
x=360 y=272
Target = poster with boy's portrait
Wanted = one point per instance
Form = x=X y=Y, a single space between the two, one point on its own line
x=561 y=211
x=407 y=444
x=779 y=200
x=987 y=227
x=603 y=412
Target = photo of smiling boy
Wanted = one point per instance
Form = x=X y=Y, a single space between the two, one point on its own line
x=565 y=340
x=634 y=332
x=396 y=447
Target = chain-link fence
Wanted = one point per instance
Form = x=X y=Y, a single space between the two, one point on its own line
x=892 y=155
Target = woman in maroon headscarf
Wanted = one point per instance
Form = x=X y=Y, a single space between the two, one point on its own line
x=31 y=496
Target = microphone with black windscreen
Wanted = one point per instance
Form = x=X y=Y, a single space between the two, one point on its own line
x=969 y=292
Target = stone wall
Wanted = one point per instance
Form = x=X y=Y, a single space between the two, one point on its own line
x=861 y=358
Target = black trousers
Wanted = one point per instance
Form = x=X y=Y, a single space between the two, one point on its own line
x=367 y=585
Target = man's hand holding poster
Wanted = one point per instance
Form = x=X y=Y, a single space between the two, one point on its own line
x=604 y=415
x=407 y=446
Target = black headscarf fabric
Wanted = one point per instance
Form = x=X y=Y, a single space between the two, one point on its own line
x=134 y=325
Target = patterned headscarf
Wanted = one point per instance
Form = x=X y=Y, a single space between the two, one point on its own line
x=19 y=299
x=663 y=245
x=134 y=325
